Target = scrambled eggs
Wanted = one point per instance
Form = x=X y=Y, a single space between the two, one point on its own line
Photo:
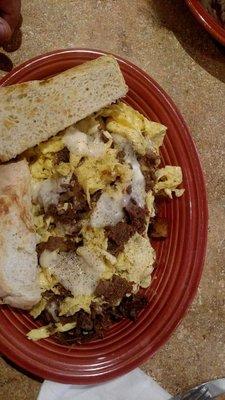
x=129 y=123
x=44 y=166
x=167 y=181
x=98 y=173
x=137 y=252
x=109 y=166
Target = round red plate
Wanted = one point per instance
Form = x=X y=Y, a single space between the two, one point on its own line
x=180 y=257
x=208 y=21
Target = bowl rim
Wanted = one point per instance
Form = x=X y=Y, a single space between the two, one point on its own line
x=207 y=21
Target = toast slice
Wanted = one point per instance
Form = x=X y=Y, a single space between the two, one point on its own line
x=32 y=112
x=19 y=286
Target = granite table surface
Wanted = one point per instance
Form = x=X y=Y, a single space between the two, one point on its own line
x=161 y=37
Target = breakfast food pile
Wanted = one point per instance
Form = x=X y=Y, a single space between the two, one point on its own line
x=215 y=8
x=79 y=203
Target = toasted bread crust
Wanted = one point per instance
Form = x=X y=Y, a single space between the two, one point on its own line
x=30 y=113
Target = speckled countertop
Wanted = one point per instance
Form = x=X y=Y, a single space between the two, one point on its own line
x=161 y=37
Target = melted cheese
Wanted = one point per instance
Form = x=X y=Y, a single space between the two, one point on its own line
x=78 y=273
x=109 y=210
x=138 y=181
x=47 y=191
x=81 y=144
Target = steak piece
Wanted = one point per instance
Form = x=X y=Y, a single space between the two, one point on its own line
x=95 y=196
x=84 y=321
x=118 y=235
x=114 y=289
x=158 y=228
x=149 y=163
x=132 y=305
x=76 y=207
x=53 y=243
x=51 y=311
x=94 y=324
x=62 y=156
x=136 y=216
x=67 y=243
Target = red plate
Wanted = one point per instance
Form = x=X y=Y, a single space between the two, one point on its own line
x=180 y=257
x=208 y=21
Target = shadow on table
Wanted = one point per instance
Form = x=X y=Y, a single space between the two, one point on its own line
x=175 y=16
x=21 y=370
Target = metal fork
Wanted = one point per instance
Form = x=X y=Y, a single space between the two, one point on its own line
x=206 y=391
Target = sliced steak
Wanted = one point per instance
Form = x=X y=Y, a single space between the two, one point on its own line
x=114 y=289
x=132 y=305
x=62 y=156
x=76 y=205
x=53 y=243
x=118 y=236
x=136 y=217
x=94 y=324
x=158 y=228
x=84 y=321
x=68 y=243
x=149 y=163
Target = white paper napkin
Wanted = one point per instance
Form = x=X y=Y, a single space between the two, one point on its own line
x=134 y=386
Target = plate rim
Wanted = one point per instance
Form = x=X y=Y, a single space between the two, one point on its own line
x=183 y=308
